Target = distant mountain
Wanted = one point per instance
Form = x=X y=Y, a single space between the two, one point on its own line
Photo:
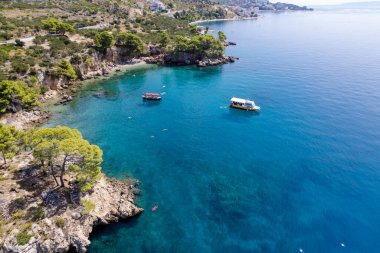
x=374 y=5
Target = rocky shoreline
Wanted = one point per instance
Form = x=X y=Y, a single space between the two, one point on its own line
x=67 y=224
x=63 y=90
x=62 y=94
x=184 y=59
x=112 y=199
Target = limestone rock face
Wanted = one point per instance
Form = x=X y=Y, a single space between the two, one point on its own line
x=215 y=61
x=113 y=200
x=183 y=58
x=25 y=119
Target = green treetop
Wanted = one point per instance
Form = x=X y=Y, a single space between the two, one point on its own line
x=222 y=36
x=130 y=41
x=164 y=40
x=8 y=141
x=200 y=45
x=65 y=148
x=194 y=29
x=103 y=40
x=206 y=29
x=17 y=92
x=65 y=69
x=57 y=26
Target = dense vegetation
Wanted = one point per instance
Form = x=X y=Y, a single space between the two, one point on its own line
x=56 y=26
x=17 y=94
x=59 y=46
x=61 y=151
x=201 y=13
x=199 y=45
x=131 y=42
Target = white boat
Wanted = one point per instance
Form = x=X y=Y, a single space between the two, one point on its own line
x=244 y=104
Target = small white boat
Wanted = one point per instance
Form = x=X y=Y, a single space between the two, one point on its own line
x=244 y=104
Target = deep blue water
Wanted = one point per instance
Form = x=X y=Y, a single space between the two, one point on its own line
x=304 y=173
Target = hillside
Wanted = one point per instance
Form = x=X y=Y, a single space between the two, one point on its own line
x=51 y=44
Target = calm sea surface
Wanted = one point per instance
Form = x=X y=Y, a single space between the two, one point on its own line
x=304 y=173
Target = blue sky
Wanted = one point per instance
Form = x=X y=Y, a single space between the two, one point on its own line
x=320 y=2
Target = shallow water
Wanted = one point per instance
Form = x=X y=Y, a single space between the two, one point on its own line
x=304 y=173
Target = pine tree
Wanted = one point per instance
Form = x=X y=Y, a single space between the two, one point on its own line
x=8 y=142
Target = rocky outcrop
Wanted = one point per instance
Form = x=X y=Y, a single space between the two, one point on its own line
x=25 y=119
x=215 y=61
x=183 y=59
x=113 y=200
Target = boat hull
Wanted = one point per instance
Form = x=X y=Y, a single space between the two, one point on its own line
x=151 y=98
x=255 y=108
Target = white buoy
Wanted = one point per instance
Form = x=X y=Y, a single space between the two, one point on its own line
x=301 y=250
x=163 y=86
x=343 y=245
x=152 y=136
x=129 y=117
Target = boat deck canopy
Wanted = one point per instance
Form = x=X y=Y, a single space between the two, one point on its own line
x=242 y=101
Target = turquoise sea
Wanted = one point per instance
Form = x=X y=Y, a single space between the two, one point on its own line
x=301 y=175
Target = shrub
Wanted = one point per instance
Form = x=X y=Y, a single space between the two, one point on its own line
x=4 y=55
x=88 y=206
x=65 y=69
x=63 y=46
x=27 y=227
x=20 y=201
x=33 y=79
x=11 y=90
x=19 y=43
x=23 y=238
x=90 y=61
x=37 y=213
x=44 y=89
x=6 y=35
x=19 y=66
x=60 y=222
x=18 y=215
x=103 y=40
x=221 y=36
x=46 y=63
x=38 y=40
x=130 y=41
x=56 y=26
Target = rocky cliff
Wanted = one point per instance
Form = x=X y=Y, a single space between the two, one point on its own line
x=68 y=226
x=56 y=219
